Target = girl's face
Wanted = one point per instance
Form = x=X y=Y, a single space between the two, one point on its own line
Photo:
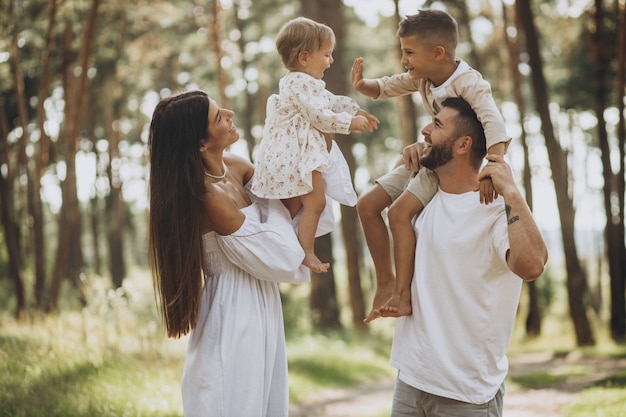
x=315 y=63
x=222 y=131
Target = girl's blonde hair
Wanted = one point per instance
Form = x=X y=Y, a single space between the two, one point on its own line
x=302 y=35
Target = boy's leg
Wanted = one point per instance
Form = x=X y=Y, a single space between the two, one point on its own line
x=370 y=207
x=401 y=215
x=313 y=205
x=419 y=191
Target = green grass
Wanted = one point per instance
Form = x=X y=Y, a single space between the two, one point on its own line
x=606 y=398
x=538 y=380
x=112 y=358
x=318 y=362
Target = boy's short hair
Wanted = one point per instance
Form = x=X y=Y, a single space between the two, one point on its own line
x=431 y=27
x=300 y=35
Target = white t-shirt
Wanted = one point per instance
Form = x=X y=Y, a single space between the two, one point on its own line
x=464 y=298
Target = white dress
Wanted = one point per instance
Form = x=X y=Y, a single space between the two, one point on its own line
x=236 y=362
x=292 y=146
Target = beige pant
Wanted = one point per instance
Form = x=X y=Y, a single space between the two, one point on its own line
x=423 y=185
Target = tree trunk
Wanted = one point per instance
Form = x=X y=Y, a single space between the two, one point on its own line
x=41 y=160
x=330 y=12
x=464 y=24
x=216 y=32
x=576 y=279
x=406 y=106
x=115 y=207
x=323 y=299
x=533 y=317
x=9 y=225
x=613 y=205
x=618 y=305
x=249 y=104
x=68 y=260
x=21 y=166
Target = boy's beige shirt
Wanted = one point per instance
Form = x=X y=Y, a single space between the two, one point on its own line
x=466 y=83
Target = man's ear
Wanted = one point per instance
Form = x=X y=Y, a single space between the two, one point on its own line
x=464 y=144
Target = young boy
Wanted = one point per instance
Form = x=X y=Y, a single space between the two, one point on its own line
x=428 y=41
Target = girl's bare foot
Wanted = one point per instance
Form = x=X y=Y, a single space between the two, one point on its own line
x=397 y=306
x=382 y=295
x=314 y=264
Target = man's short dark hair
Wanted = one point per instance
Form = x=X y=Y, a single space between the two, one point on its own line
x=467 y=124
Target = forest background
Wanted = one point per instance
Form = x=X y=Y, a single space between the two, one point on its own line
x=79 y=80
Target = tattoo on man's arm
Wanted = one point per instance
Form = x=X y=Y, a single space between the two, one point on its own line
x=510 y=220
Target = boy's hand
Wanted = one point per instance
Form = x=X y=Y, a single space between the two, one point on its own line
x=356 y=75
x=500 y=174
x=487 y=190
x=364 y=86
x=371 y=119
x=411 y=155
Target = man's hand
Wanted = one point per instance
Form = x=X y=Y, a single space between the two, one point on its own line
x=500 y=173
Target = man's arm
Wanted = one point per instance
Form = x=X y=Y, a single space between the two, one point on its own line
x=527 y=253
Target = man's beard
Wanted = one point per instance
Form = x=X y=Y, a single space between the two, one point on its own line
x=439 y=155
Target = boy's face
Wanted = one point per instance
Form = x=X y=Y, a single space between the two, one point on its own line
x=417 y=59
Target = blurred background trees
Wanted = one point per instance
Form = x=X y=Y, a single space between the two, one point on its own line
x=79 y=80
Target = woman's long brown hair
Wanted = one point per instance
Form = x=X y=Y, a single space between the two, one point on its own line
x=176 y=189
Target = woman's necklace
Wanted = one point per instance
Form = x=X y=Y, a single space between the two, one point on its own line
x=218 y=177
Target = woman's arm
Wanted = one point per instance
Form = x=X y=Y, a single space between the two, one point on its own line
x=269 y=249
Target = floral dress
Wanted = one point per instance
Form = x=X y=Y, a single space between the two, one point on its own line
x=293 y=145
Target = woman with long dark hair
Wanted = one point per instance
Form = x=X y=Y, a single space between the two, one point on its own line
x=216 y=258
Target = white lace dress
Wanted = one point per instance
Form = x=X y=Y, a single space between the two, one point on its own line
x=236 y=362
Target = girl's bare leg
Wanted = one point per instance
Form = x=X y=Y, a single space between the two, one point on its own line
x=312 y=207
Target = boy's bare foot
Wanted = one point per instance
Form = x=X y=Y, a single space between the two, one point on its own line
x=382 y=295
x=312 y=262
x=397 y=306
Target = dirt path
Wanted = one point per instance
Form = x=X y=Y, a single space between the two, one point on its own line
x=374 y=399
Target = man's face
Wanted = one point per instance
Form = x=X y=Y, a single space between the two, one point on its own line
x=439 y=138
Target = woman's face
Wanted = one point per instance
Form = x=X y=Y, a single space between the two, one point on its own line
x=221 y=129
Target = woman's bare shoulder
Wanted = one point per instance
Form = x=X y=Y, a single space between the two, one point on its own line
x=222 y=213
x=239 y=165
